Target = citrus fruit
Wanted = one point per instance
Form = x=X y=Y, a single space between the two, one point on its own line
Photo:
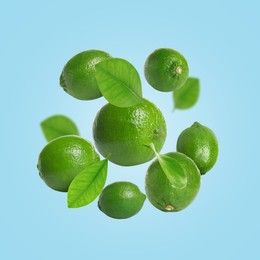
x=124 y=133
x=78 y=75
x=166 y=69
x=63 y=158
x=164 y=196
x=121 y=200
x=200 y=144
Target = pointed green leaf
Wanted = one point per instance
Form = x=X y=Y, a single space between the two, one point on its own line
x=119 y=82
x=187 y=96
x=173 y=171
x=58 y=125
x=87 y=185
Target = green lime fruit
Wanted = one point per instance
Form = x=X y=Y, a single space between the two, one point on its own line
x=121 y=200
x=200 y=144
x=78 y=75
x=164 y=196
x=166 y=69
x=125 y=133
x=63 y=158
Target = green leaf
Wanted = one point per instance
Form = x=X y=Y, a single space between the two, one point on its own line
x=172 y=169
x=119 y=82
x=87 y=185
x=58 y=125
x=187 y=96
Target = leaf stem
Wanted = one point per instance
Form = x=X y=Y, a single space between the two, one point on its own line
x=108 y=156
x=152 y=147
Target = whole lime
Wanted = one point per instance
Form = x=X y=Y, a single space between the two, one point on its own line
x=78 y=75
x=125 y=133
x=164 y=196
x=63 y=158
x=166 y=69
x=200 y=144
x=121 y=200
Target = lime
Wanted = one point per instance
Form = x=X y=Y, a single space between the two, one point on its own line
x=164 y=196
x=78 y=75
x=200 y=144
x=166 y=69
x=121 y=200
x=124 y=133
x=63 y=158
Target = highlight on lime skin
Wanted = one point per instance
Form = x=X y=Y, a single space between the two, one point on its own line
x=179 y=70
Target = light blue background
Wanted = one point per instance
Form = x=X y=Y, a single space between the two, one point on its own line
x=220 y=40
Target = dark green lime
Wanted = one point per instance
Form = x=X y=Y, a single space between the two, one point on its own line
x=121 y=200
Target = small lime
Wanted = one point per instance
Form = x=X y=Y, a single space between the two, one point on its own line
x=166 y=69
x=200 y=144
x=125 y=133
x=78 y=75
x=121 y=200
x=63 y=158
x=164 y=196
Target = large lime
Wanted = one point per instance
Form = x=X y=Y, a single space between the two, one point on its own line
x=124 y=133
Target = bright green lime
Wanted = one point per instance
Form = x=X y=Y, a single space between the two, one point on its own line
x=78 y=75
x=124 y=133
x=166 y=69
x=121 y=200
x=162 y=194
x=200 y=144
x=63 y=158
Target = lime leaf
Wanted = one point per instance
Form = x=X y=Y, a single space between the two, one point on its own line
x=58 y=125
x=172 y=169
x=187 y=96
x=119 y=82
x=87 y=185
